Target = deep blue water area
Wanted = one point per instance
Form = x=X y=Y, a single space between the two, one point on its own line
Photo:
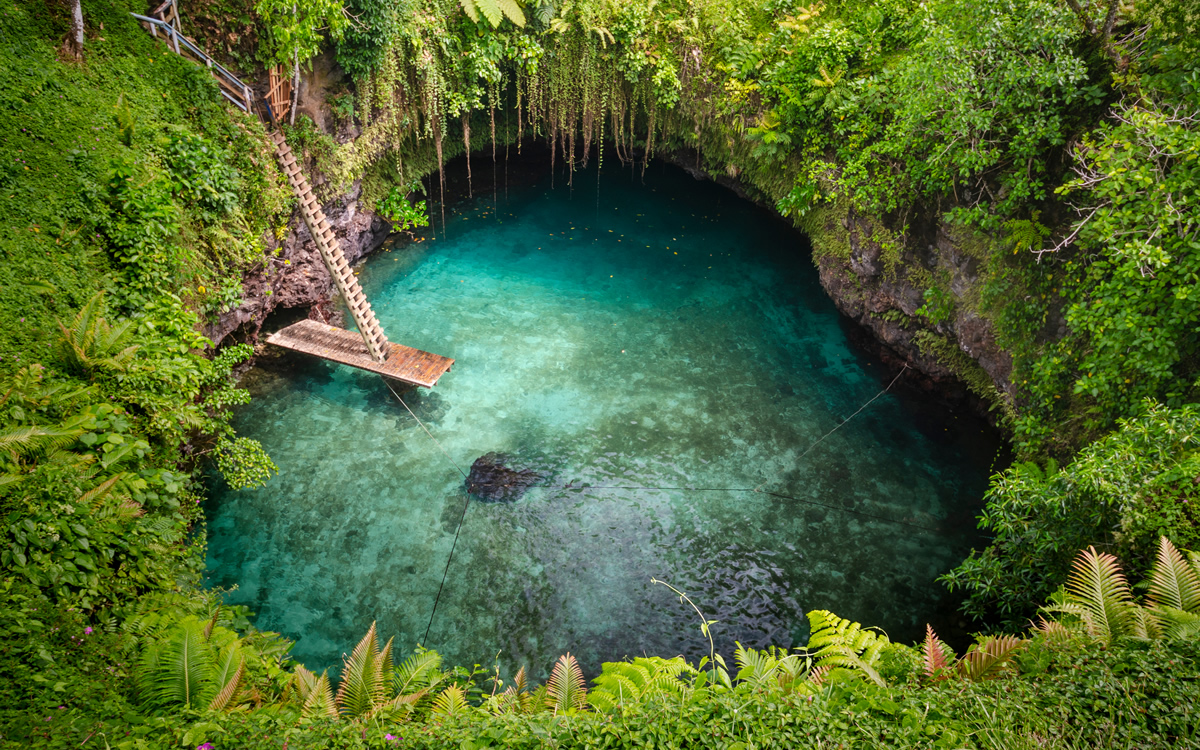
x=629 y=339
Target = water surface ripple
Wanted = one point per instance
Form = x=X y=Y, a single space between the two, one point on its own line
x=664 y=334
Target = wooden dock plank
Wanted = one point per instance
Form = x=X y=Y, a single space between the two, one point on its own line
x=346 y=347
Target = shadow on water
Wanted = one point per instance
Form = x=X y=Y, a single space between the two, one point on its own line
x=631 y=347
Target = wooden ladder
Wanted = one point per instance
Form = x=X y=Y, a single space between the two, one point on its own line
x=331 y=252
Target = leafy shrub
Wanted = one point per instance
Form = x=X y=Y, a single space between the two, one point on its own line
x=1126 y=490
x=396 y=208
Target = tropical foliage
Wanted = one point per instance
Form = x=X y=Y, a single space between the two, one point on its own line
x=1062 y=135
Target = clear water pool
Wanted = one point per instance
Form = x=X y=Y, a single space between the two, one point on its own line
x=620 y=334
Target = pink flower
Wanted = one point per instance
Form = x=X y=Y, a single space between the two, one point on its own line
x=87 y=630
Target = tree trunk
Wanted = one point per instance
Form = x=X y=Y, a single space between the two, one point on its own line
x=295 y=87
x=295 y=78
x=73 y=44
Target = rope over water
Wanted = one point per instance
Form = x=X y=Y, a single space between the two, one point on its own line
x=758 y=489
x=457 y=528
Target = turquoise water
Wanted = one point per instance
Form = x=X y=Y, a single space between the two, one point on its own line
x=623 y=335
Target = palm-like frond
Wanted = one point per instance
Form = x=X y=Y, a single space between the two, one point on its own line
x=625 y=683
x=935 y=653
x=1174 y=581
x=544 y=12
x=361 y=686
x=28 y=386
x=90 y=342
x=770 y=668
x=1177 y=623
x=1051 y=629
x=225 y=695
x=30 y=441
x=838 y=642
x=320 y=703
x=1098 y=594
x=398 y=708
x=303 y=681
x=418 y=671
x=178 y=670
x=515 y=699
x=990 y=657
x=816 y=675
x=94 y=497
x=494 y=11
x=565 y=690
x=451 y=702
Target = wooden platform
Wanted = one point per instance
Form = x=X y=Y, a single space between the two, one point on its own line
x=347 y=347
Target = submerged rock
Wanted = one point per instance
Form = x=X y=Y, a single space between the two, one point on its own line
x=493 y=482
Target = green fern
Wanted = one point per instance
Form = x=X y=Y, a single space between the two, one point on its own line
x=770 y=669
x=990 y=658
x=362 y=684
x=451 y=702
x=516 y=698
x=1097 y=598
x=494 y=11
x=179 y=670
x=230 y=683
x=319 y=702
x=838 y=643
x=1174 y=581
x=419 y=671
x=90 y=343
x=639 y=680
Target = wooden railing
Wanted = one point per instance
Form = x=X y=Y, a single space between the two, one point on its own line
x=279 y=93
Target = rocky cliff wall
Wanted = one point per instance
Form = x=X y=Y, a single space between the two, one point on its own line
x=878 y=279
x=295 y=276
x=880 y=282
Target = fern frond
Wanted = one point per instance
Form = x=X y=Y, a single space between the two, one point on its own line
x=357 y=692
x=619 y=687
x=177 y=671
x=1185 y=627
x=494 y=11
x=837 y=642
x=603 y=700
x=303 y=681
x=512 y=11
x=30 y=441
x=545 y=12
x=990 y=657
x=451 y=702
x=817 y=675
x=935 y=655
x=565 y=690
x=521 y=681
x=418 y=671
x=1099 y=587
x=396 y=709
x=1051 y=629
x=95 y=496
x=1174 y=582
x=226 y=693
x=90 y=342
x=538 y=700
x=320 y=703
x=226 y=663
